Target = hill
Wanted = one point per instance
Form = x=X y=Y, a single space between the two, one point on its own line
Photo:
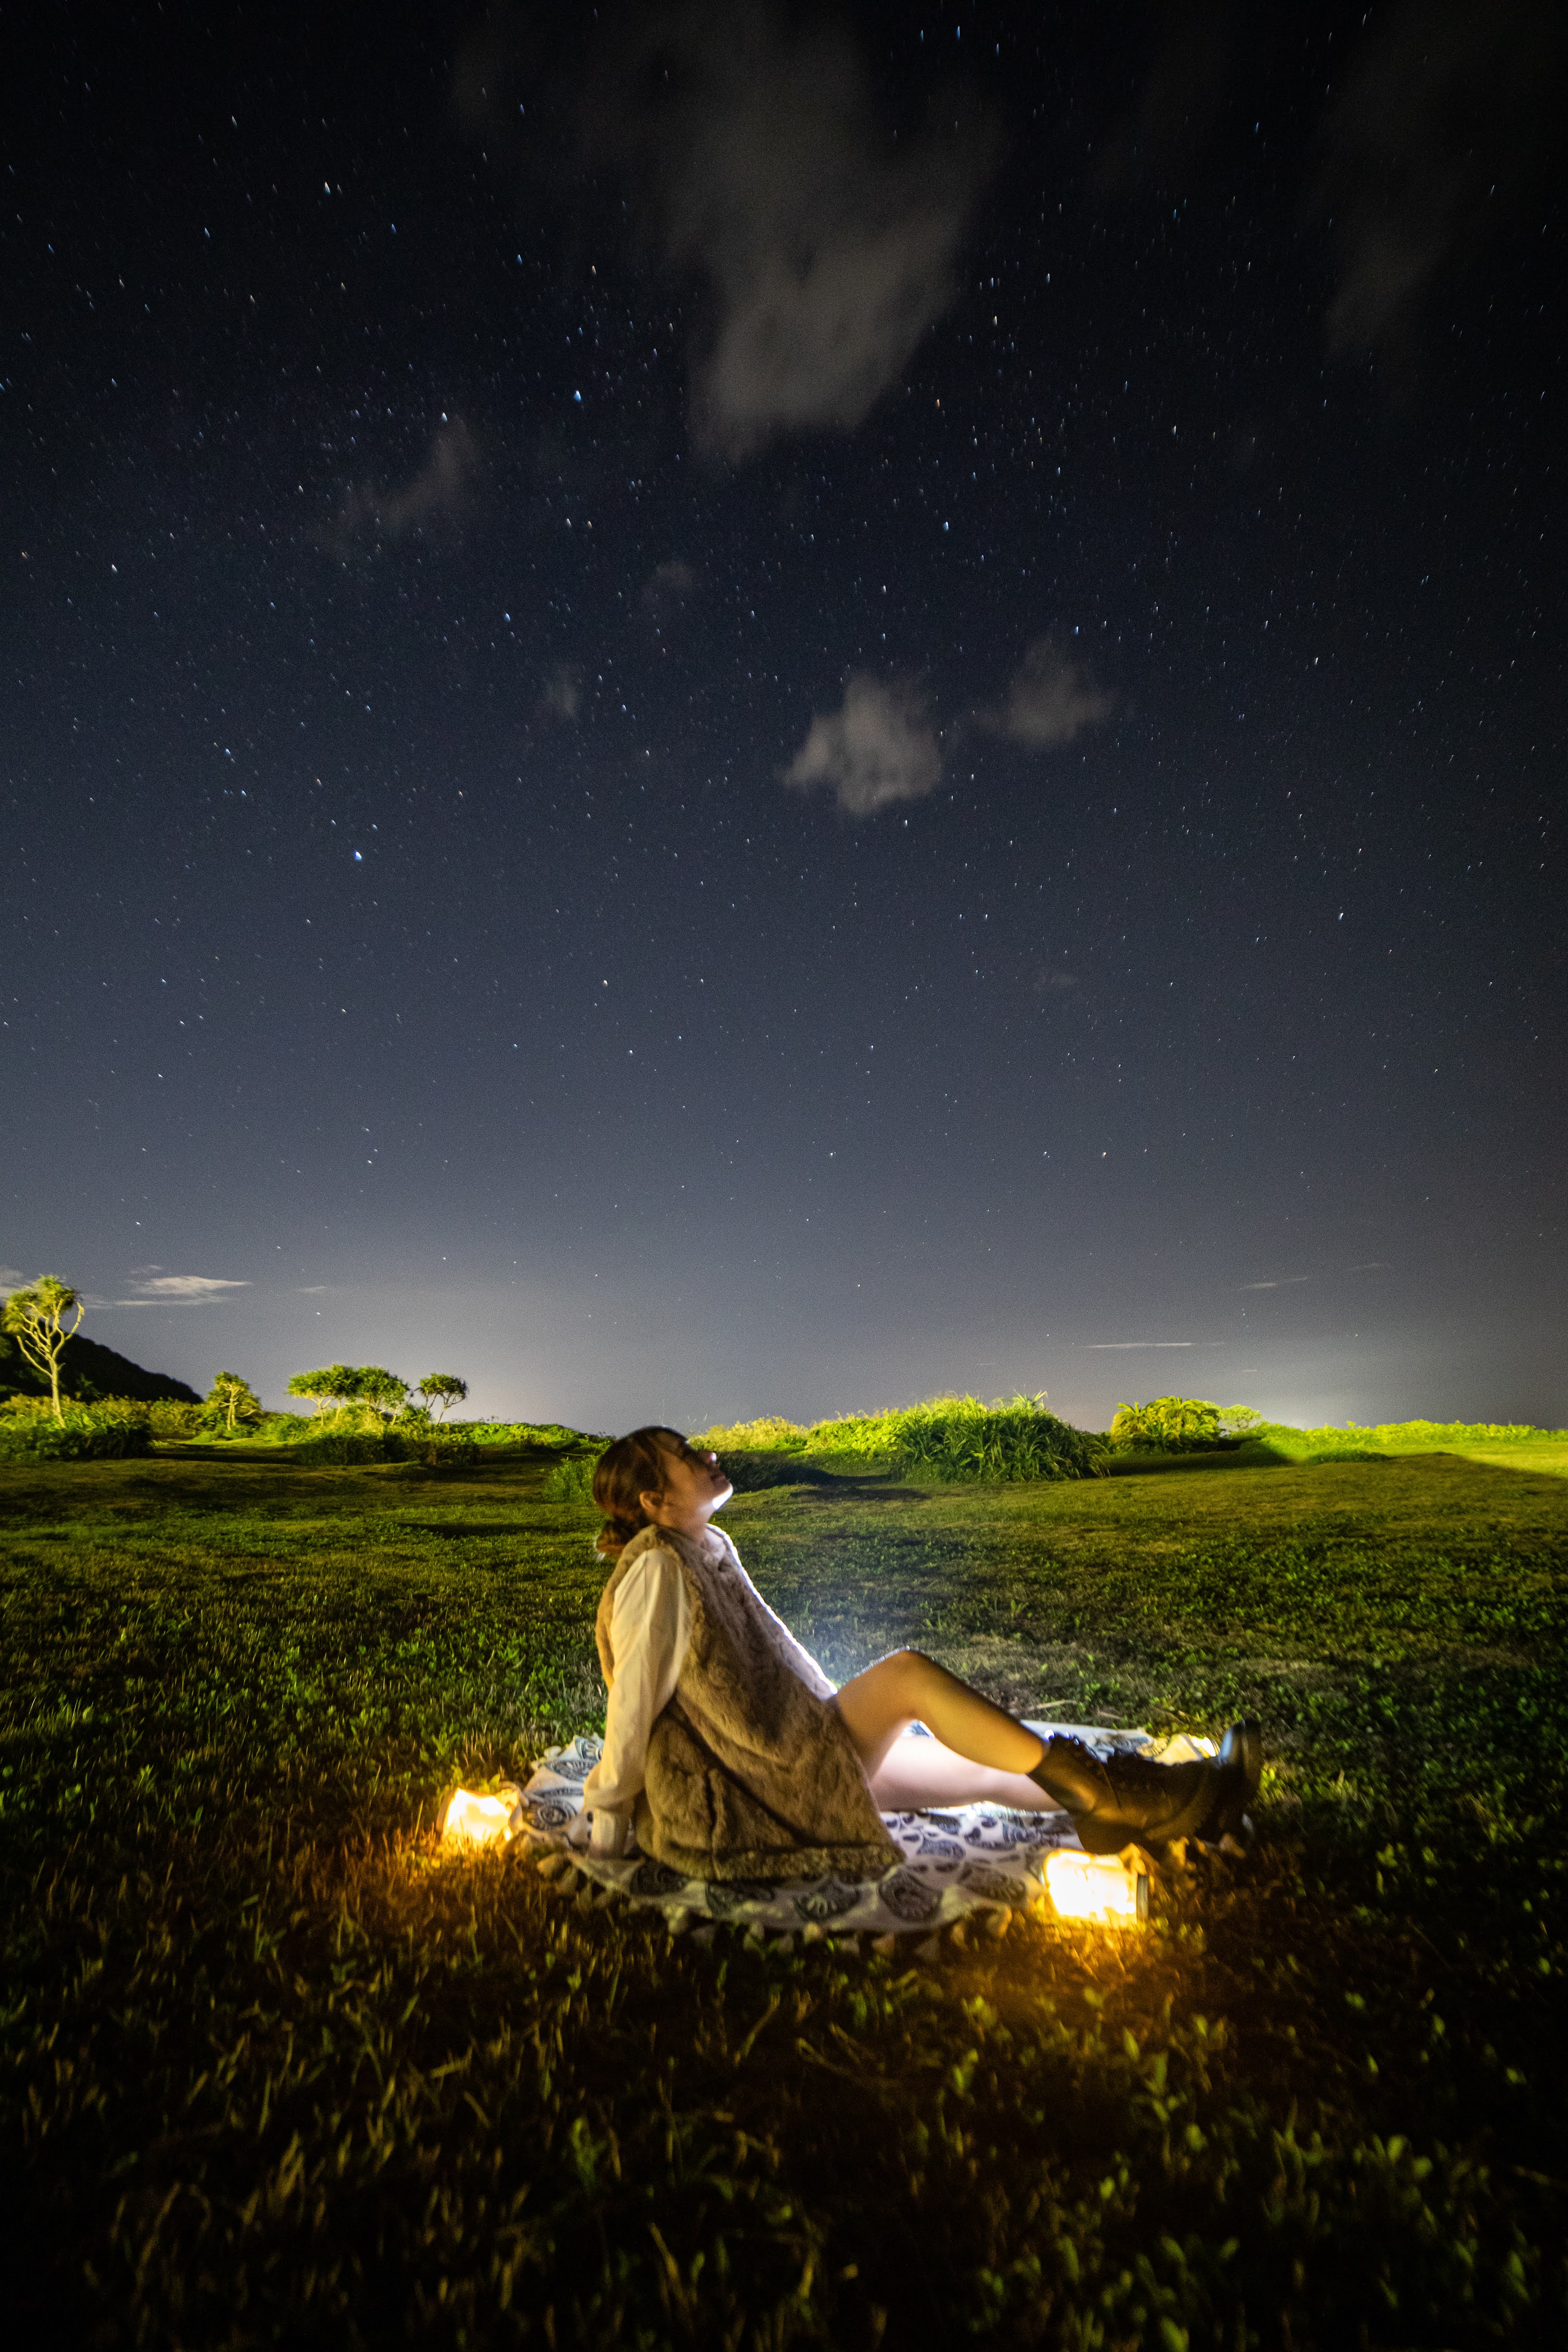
x=88 y=1369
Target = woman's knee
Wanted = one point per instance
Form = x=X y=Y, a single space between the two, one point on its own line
x=908 y=1669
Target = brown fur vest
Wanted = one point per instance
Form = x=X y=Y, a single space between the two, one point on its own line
x=750 y=1774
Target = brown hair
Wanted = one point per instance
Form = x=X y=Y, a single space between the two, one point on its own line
x=632 y=1467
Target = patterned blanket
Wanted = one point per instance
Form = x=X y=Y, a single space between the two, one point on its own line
x=973 y=1858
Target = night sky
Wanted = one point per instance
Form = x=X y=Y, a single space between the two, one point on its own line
x=719 y=710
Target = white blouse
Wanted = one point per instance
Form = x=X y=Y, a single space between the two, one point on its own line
x=650 y=1634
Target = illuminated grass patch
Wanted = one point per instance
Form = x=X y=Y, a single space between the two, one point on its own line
x=274 y=2071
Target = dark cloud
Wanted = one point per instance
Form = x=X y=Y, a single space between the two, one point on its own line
x=1051 y=698
x=827 y=242
x=878 y=748
x=1442 y=125
x=1177 y=100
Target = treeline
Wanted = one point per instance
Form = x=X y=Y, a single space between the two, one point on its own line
x=376 y=1398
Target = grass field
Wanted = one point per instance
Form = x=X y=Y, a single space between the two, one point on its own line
x=276 y=2073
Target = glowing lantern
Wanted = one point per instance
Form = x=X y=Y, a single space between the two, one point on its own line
x=470 y=1820
x=1097 y=1886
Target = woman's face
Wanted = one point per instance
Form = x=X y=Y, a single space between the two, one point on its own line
x=695 y=1487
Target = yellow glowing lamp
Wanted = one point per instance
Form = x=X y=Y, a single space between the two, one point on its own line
x=1097 y=1886
x=470 y=1820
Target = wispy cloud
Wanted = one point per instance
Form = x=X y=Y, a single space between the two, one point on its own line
x=1140 y=1343
x=560 y=697
x=1450 y=112
x=437 y=495
x=829 y=243
x=877 y=749
x=1051 y=698
x=178 y=1290
x=1285 y=1282
x=667 y=588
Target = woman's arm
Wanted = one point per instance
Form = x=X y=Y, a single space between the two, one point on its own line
x=650 y=1633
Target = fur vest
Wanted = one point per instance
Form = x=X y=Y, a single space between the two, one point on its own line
x=750 y=1774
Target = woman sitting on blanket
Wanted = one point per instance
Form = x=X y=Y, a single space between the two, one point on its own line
x=730 y=1749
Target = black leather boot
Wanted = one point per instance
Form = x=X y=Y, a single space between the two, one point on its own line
x=1241 y=1764
x=1128 y=1801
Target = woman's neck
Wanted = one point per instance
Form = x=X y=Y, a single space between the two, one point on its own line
x=693 y=1525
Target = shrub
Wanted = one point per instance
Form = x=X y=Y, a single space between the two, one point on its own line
x=960 y=1439
x=770 y=1435
x=110 y=1431
x=1168 y=1424
x=957 y=1438
x=341 y=1447
x=286 y=1428
x=554 y=1434
x=570 y=1480
x=440 y=1449
x=172 y=1422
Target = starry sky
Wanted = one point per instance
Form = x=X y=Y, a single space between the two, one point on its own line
x=720 y=709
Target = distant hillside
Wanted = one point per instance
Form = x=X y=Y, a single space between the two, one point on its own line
x=87 y=1370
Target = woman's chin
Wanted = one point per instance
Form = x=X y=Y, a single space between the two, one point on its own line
x=722 y=1497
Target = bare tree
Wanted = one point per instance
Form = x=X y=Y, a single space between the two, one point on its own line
x=36 y=1317
x=233 y=1401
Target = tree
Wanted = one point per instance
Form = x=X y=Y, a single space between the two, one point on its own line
x=381 y=1390
x=334 y=1384
x=443 y=1389
x=233 y=1402
x=36 y=1317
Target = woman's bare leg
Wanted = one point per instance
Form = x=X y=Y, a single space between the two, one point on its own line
x=922 y=1776
x=978 y=1753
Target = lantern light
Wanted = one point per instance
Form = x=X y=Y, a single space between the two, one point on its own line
x=467 y=1819
x=1097 y=1886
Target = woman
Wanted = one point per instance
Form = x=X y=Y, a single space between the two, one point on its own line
x=730 y=1748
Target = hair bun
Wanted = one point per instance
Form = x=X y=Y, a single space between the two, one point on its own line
x=625 y=1471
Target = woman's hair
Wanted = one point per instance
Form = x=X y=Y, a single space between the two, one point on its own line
x=633 y=1466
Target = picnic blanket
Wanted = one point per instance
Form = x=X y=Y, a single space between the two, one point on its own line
x=953 y=1862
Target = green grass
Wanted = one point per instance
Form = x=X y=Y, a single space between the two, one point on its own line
x=273 y=2072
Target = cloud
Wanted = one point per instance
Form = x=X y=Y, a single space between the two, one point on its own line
x=11 y=1278
x=560 y=697
x=667 y=591
x=1178 y=97
x=878 y=747
x=1051 y=698
x=1446 y=119
x=827 y=242
x=437 y=496
x=179 y=1290
x=1286 y=1282
x=1138 y=1343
